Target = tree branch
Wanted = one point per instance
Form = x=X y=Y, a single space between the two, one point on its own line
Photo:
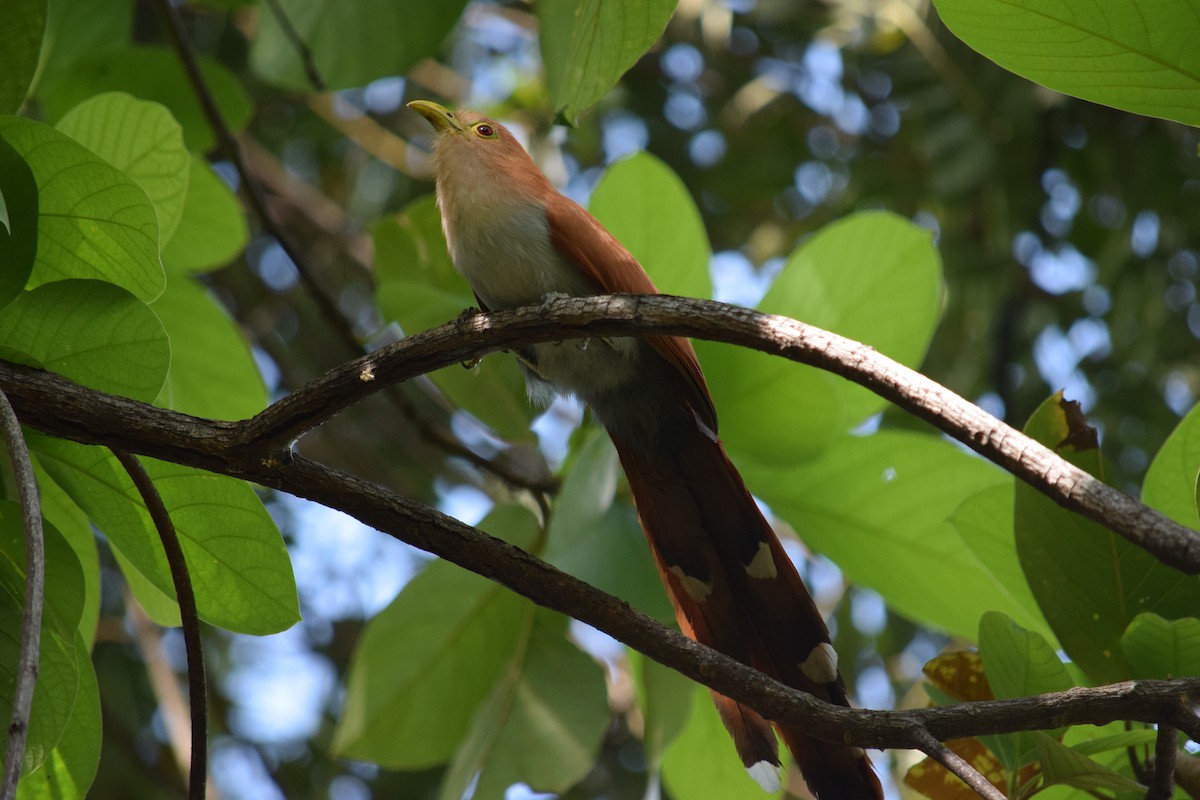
x=577 y=317
x=960 y=767
x=253 y=450
x=188 y=615
x=35 y=584
x=1162 y=772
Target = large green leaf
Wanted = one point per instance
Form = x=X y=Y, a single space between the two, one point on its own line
x=1171 y=481
x=213 y=373
x=73 y=524
x=880 y=506
x=701 y=761
x=142 y=140
x=78 y=31
x=419 y=288
x=874 y=277
x=1089 y=582
x=213 y=230
x=93 y=332
x=542 y=722
x=587 y=45
x=154 y=73
x=69 y=769
x=646 y=206
x=426 y=662
x=1158 y=648
x=388 y=36
x=1018 y=662
x=984 y=521
x=665 y=699
x=240 y=569
x=93 y=220
x=598 y=540
x=1063 y=765
x=22 y=23
x=19 y=231
x=1139 y=57
x=58 y=670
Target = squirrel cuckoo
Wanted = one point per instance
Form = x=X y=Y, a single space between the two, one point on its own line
x=517 y=240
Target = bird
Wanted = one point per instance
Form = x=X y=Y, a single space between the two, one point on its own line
x=517 y=240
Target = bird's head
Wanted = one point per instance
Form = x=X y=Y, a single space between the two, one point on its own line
x=478 y=163
x=469 y=139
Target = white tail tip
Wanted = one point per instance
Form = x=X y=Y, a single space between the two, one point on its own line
x=767 y=775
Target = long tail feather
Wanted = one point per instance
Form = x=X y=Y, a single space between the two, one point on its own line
x=735 y=589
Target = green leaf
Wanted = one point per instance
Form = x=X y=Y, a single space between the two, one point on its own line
x=389 y=37
x=1062 y=765
x=646 y=206
x=69 y=769
x=19 y=237
x=599 y=541
x=419 y=288
x=543 y=721
x=702 y=762
x=425 y=663
x=1139 y=57
x=77 y=31
x=92 y=332
x=588 y=45
x=880 y=507
x=1116 y=741
x=58 y=671
x=93 y=220
x=665 y=698
x=874 y=277
x=22 y=23
x=1018 y=663
x=142 y=140
x=1171 y=481
x=240 y=569
x=984 y=521
x=213 y=230
x=213 y=373
x=1159 y=648
x=154 y=73
x=69 y=520
x=1089 y=582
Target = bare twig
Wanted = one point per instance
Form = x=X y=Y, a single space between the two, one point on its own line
x=1162 y=772
x=165 y=684
x=31 y=619
x=326 y=303
x=960 y=767
x=190 y=620
x=59 y=407
x=293 y=36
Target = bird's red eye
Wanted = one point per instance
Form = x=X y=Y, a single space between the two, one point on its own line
x=485 y=130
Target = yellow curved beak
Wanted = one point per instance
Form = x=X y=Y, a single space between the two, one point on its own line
x=440 y=117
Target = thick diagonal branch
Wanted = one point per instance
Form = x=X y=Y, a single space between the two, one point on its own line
x=257 y=450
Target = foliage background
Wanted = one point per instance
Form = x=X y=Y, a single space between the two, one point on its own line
x=1067 y=258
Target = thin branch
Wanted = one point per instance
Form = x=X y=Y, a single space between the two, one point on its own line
x=294 y=38
x=165 y=685
x=189 y=618
x=1162 y=773
x=59 y=407
x=960 y=767
x=35 y=586
x=575 y=317
x=326 y=304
